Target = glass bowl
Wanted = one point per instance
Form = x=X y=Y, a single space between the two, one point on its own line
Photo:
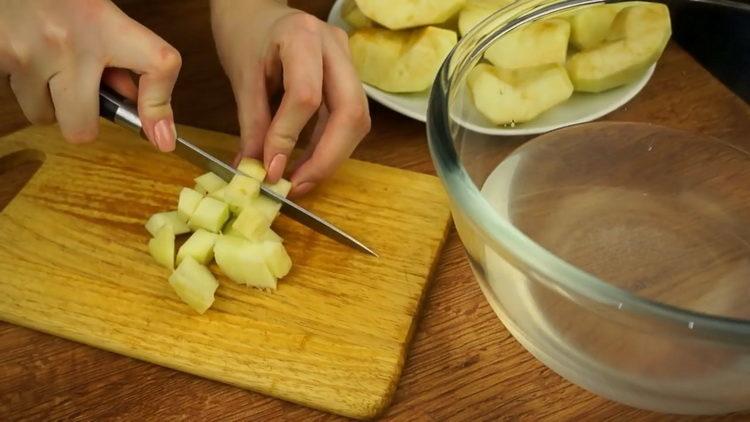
x=618 y=254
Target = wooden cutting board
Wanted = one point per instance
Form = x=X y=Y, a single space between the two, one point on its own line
x=74 y=263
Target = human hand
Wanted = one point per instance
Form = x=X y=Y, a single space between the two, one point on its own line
x=265 y=46
x=57 y=53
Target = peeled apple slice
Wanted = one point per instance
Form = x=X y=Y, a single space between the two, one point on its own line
x=401 y=14
x=400 y=61
x=590 y=25
x=161 y=247
x=189 y=200
x=243 y=262
x=535 y=44
x=252 y=168
x=636 y=39
x=200 y=246
x=210 y=215
x=476 y=11
x=507 y=96
x=352 y=15
x=209 y=183
x=276 y=257
x=194 y=284
x=171 y=218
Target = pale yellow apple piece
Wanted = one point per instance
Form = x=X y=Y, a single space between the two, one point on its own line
x=211 y=214
x=400 y=61
x=171 y=218
x=240 y=191
x=251 y=223
x=636 y=40
x=476 y=11
x=194 y=284
x=252 y=168
x=209 y=182
x=219 y=194
x=265 y=206
x=277 y=258
x=401 y=14
x=200 y=246
x=589 y=26
x=535 y=44
x=506 y=96
x=243 y=262
x=352 y=15
x=188 y=202
x=161 y=247
x=270 y=236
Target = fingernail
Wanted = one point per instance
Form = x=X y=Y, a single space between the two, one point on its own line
x=276 y=168
x=303 y=188
x=165 y=134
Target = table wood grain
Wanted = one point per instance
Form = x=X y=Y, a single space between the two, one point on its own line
x=462 y=365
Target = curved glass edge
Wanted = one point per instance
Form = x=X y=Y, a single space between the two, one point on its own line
x=501 y=235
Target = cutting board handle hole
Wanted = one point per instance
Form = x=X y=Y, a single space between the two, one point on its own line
x=16 y=169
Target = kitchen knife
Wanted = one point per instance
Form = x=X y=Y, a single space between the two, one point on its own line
x=117 y=109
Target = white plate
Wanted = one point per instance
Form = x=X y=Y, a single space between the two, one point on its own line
x=579 y=108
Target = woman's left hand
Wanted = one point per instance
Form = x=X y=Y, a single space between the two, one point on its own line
x=266 y=46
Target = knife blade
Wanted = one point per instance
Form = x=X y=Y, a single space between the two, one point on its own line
x=117 y=109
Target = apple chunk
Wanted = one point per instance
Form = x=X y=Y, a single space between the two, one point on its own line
x=400 y=14
x=251 y=167
x=210 y=215
x=200 y=246
x=170 y=218
x=243 y=262
x=635 y=41
x=277 y=258
x=188 y=202
x=400 y=61
x=352 y=15
x=240 y=191
x=536 y=44
x=209 y=182
x=506 y=96
x=476 y=11
x=590 y=26
x=251 y=223
x=194 y=284
x=161 y=247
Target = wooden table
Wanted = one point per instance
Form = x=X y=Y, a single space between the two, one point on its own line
x=462 y=365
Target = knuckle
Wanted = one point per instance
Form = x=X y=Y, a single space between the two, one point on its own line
x=307 y=99
x=56 y=37
x=340 y=34
x=283 y=141
x=360 y=116
x=168 y=60
x=307 y=22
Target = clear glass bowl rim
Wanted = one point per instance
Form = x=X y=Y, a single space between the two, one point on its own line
x=500 y=234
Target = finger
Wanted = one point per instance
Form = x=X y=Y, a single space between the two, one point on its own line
x=121 y=81
x=253 y=112
x=75 y=95
x=348 y=123
x=158 y=63
x=33 y=97
x=303 y=81
x=314 y=139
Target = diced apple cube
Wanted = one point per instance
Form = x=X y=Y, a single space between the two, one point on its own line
x=266 y=206
x=194 y=284
x=210 y=215
x=219 y=194
x=200 y=246
x=189 y=200
x=156 y=221
x=200 y=189
x=252 y=168
x=240 y=191
x=270 y=236
x=243 y=262
x=282 y=187
x=251 y=223
x=277 y=258
x=210 y=182
x=161 y=247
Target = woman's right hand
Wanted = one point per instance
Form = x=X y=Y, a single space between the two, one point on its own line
x=56 y=54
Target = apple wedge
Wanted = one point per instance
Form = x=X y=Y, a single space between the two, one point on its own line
x=590 y=25
x=188 y=202
x=352 y=15
x=400 y=14
x=400 y=61
x=199 y=246
x=515 y=96
x=476 y=11
x=211 y=214
x=536 y=44
x=194 y=284
x=636 y=40
x=170 y=218
x=243 y=262
x=161 y=247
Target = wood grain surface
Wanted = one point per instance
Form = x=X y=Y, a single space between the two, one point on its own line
x=462 y=364
x=74 y=263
